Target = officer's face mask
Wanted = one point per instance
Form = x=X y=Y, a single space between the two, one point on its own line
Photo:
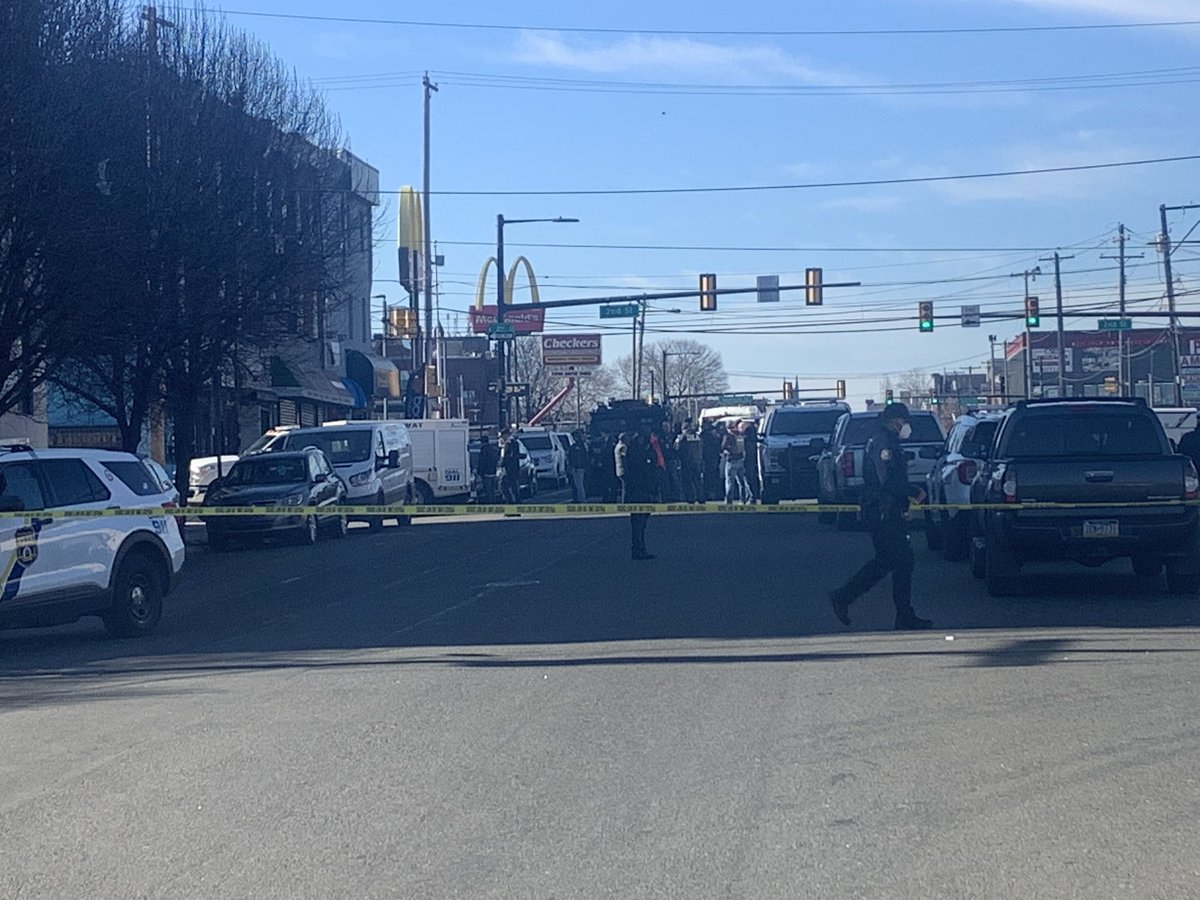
x=905 y=431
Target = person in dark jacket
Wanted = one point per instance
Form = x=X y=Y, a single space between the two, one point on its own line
x=510 y=460
x=489 y=460
x=577 y=461
x=885 y=500
x=638 y=465
x=750 y=436
x=710 y=452
x=1189 y=445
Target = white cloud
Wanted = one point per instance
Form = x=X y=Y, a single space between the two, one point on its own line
x=1130 y=10
x=641 y=54
x=1079 y=149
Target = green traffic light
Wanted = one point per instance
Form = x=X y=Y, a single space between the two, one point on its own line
x=1033 y=321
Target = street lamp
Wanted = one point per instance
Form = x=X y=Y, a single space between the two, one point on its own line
x=501 y=285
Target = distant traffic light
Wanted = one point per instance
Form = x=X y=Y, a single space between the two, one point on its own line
x=813 y=292
x=925 y=315
x=841 y=389
x=708 y=292
x=889 y=397
x=1032 y=318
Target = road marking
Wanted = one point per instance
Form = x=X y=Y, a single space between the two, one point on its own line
x=293 y=580
x=510 y=584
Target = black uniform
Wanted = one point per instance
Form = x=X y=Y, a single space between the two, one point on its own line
x=886 y=493
x=1189 y=446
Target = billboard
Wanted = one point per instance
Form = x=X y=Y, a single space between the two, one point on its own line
x=523 y=321
x=571 y=351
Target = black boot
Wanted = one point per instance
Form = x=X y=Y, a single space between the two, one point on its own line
x=910 y=621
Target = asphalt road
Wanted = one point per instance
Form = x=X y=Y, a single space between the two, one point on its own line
x=514 y=708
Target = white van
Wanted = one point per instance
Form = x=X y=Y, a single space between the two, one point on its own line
x=441 y=458
x=374 y=459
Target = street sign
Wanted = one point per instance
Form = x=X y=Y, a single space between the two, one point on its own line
x=619 y=311
x=735 y=400
x=501 y=331
x=571 y=350
x=970 y=316
x=768 y=288
x=516 y=388
x=1114 y=324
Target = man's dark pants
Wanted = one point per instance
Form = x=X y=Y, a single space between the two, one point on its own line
x=893 y=553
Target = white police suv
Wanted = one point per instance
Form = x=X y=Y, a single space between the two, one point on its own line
x=56 y=568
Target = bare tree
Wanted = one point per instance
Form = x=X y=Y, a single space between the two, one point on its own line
x=692 y=368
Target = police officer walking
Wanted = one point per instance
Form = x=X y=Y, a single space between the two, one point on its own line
x=886 y=494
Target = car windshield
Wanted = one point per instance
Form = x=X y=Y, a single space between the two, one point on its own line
x=265 y=470
x=984 y=432
x=1072 y=434
x=798 y=422
x=536 y=442
x=341 y=447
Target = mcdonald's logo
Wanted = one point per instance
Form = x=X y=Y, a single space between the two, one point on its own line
x=410 y=238
x=524 y=321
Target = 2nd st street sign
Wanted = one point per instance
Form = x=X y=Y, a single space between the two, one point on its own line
x=619 y=311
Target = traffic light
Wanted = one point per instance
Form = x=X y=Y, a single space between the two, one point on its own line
x=708 y=292
x=1032 y=318
x=841 y=389
x=925 y=314
x=889 y=397
x=813 y=293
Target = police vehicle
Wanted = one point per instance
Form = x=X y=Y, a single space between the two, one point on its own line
x=56 y=569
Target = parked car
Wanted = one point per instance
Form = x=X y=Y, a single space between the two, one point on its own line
x=548 y=454
x=1110 y=456
x=63 y=568
x=950 y=479
x=278 y=480
x=373 y=458
x=203 y=471
x=840 y=467
x=792 y=437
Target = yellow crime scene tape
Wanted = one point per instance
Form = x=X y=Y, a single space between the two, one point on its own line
x=564 y=509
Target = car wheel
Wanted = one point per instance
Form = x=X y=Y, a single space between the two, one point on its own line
x=137 y=599
x=376 y=522
x=1147 y=566
x=1001 y=569
x=424 y=493
x=934 y=530
x=308 y=532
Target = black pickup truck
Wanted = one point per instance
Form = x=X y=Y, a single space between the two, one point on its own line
x=1112 y=458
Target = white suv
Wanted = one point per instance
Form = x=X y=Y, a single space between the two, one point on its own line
x=56 y=569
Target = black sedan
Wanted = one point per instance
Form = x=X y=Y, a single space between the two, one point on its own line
x=277 y=481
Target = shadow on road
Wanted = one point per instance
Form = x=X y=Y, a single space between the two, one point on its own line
x=563 y=582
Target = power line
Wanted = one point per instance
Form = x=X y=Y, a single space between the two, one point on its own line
x=871 y=182
x=811 y=32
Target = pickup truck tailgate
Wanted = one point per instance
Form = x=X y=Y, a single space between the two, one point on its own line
x=1099 y=480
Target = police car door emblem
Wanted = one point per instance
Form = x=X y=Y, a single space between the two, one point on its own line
x=27 y=549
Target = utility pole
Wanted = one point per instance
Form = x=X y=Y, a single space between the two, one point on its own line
x=1062 y=353
x=430 y=89
x=1124 y=375
x=633 y=358
x=1165 y=246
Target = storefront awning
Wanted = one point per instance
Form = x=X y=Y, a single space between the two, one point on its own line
x=377 y=376
x=308 y=381
x=360 y=399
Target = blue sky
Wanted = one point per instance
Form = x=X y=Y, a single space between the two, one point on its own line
x=826 y=118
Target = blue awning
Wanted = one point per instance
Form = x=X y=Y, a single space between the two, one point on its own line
x=356 y=392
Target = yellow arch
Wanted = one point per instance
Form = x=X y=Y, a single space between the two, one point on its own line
x=511 y=280
x=482 y=282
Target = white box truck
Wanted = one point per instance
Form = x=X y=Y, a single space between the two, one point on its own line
x=441 y=459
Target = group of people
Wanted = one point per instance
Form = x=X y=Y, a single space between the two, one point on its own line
x=499 y=468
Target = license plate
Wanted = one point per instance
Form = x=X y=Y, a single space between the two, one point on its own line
x=1105 y=528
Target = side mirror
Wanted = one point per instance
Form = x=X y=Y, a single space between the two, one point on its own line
x=11 y=504
x=393 y=459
